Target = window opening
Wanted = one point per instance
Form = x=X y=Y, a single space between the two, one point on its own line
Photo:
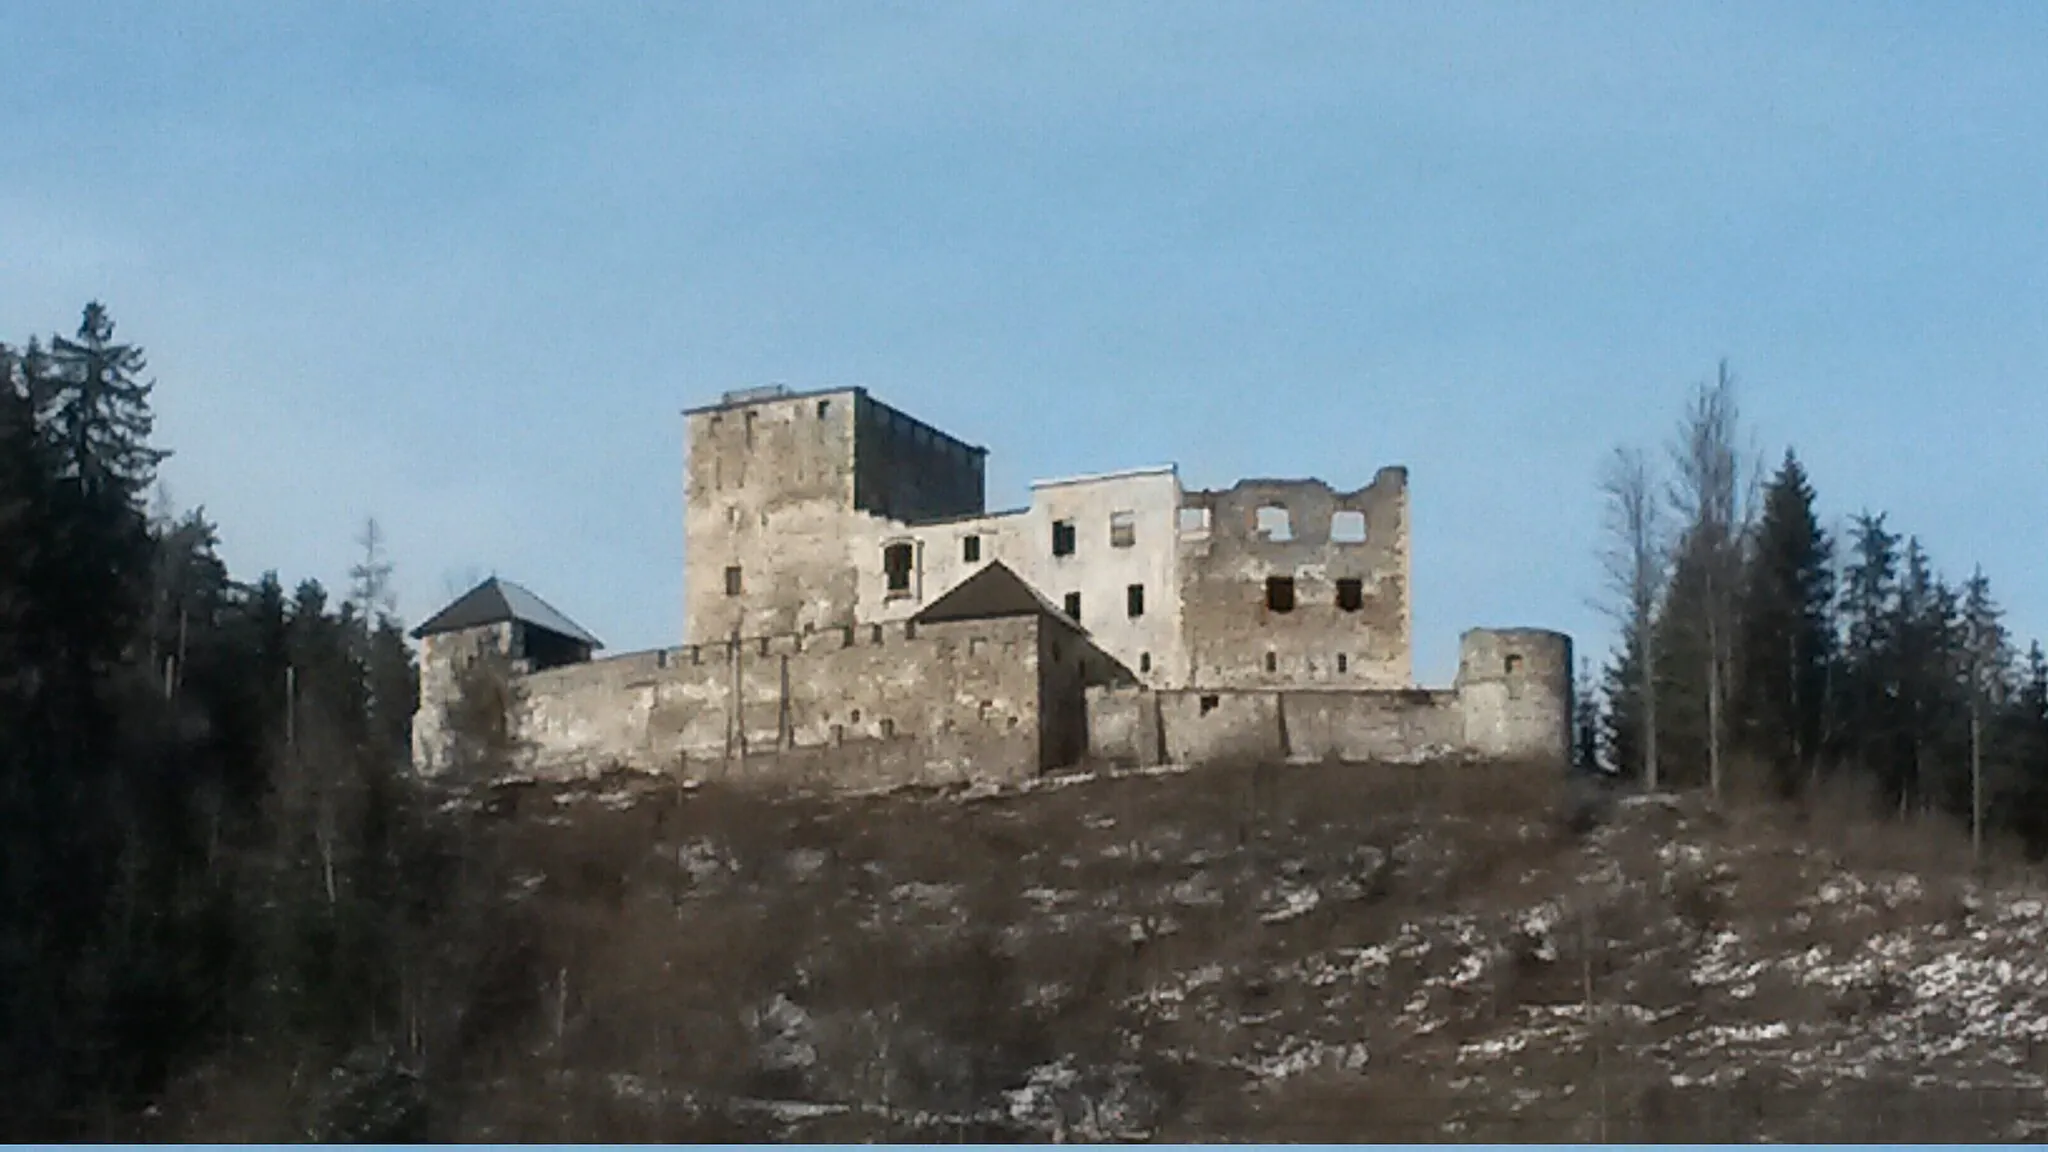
x=824 y=408
x=1280 y=593
x=1134 y=601
x=1513 y=663
x=970 y=549
x=1123 y=529
x=732 y=580
x=1074 y=605
x=1343 y=662
x=1274 y=524
x=1193 y=521
x=1063 y=537
x=1347 y=527
x=1272 y=662
x=896 y=561
x=1350 y=594
x=1208 y=704
x=1144 y=661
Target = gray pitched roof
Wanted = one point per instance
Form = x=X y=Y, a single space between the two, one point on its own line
x=495 y=601
x=992 y=591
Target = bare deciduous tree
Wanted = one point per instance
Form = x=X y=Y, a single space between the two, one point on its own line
x=1707 y=495
x=1634 y=562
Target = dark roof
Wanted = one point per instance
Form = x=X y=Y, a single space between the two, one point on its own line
x=991 y=592
x=495 y=601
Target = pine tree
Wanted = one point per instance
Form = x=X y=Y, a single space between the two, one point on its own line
x=1787 y=642
x=1987 y=664
x=1621 y=720
x=1586 y=714
x=1869 y=700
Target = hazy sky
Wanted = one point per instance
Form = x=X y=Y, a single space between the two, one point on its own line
x=461 y=266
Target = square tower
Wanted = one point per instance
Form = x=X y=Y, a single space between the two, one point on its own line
x=777 y=486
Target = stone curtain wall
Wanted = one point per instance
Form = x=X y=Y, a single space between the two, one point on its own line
x=868 y=707
x=1512 y=701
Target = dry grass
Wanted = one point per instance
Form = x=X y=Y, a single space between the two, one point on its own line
x=1248 y=952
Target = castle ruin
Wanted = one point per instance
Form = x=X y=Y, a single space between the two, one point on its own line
x=855 y=617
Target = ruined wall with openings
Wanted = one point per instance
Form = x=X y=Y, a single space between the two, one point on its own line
x=1294 y=584
x=1512 y=700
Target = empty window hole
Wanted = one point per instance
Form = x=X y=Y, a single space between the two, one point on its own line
x=1193 y=521
x=1123 y=529
x=1208 y=704
x=1274 y=524
x=1280 y=593
x=1074 y=605
x=1134 y=601
x=1272 y=662
x=1350 y=594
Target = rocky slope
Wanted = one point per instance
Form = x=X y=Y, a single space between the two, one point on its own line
x=1442 y=951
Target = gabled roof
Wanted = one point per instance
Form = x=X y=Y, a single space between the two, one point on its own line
x=992 y=592
x=495 y=601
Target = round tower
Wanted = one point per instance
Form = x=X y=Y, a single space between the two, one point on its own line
x=1515 y=691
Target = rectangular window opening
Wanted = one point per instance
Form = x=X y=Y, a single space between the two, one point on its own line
x=970 y=549
x=824 y=408
x=1343 y=662
x=1513 y=663
x=1063 y=537
x=1347 y=527
x=1074 y=605
x=1193 y=521
x=1208 y=704
x=1123 y=529
x=1272 y=662
x=1280 y=593
x=1274 y=524
x=1144 y=662
x=896 y=565
x=732 y=580
x=1134 y=601
x=1350 y=594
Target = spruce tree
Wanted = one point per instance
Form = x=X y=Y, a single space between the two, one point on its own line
x=1787 y=641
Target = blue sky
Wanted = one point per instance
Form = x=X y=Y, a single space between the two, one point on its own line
x=460 y=266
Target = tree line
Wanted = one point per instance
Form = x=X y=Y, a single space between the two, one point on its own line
x=211 y=844
x=1759 y=648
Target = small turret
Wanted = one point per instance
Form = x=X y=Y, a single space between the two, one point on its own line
x=1515 y=690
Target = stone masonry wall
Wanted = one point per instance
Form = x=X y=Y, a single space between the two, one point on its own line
x=1512 y=700
x=1236 y=637
x=768 y=489
x=860 y=707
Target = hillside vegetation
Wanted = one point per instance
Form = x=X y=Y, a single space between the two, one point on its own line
x=1279 y=953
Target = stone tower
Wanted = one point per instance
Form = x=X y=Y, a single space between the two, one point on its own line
x=776 y=487
x=1515 y=690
